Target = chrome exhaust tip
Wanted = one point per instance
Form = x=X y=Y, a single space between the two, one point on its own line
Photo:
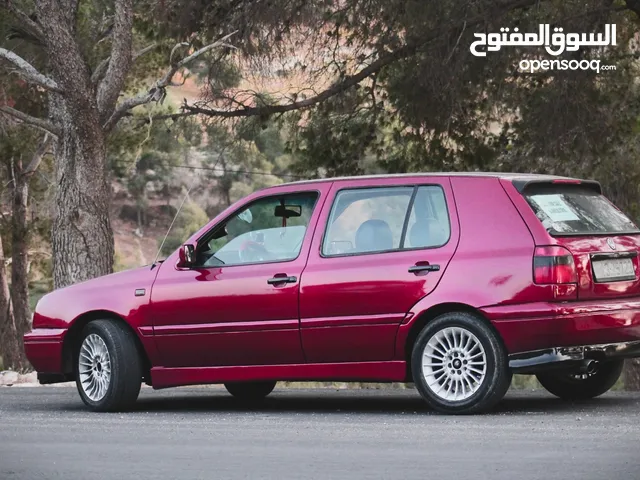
x=589 y=367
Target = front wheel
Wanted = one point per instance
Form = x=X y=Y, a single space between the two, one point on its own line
x=578 y=386
x=459 y=364
x=250 y=391
x=108 y=367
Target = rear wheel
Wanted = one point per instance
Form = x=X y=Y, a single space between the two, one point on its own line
x=459 y=364
x=108 y=367
x=582 y=386
x=250 y=391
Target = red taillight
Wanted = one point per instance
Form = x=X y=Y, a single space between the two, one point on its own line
x=553 y=266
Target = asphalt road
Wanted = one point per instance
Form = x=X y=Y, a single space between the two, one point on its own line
x=202 y=433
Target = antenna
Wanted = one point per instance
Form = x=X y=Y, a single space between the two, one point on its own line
x=171 y=226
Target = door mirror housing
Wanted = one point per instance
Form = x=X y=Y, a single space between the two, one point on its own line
x=187 y=256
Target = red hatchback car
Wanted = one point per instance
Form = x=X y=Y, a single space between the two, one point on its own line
x=451 y=281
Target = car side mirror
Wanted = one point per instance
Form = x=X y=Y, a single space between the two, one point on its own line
x=187 y=256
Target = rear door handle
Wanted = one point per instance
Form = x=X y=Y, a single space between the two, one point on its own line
x=424 y=268
x=281 y=278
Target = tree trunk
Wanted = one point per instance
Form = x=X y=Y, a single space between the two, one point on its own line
x=632 y=374
x=9 y=346
x=20 y=262
x=82 y=238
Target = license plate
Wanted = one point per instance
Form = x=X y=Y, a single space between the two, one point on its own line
x=613 y=270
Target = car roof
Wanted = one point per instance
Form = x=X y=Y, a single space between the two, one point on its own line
x=506 y=175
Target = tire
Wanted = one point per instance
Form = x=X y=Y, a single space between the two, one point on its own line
x=106 y=346
x=448 y=384
x=572 y=386
x=250 y=391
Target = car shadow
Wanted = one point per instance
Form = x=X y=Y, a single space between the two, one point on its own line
x=327 y=401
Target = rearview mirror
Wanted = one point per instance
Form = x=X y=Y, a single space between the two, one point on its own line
x=187 y=256
x=221 y=232
x=288 y=211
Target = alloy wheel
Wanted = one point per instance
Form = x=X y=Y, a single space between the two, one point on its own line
x=454 y=364
x=94 y=367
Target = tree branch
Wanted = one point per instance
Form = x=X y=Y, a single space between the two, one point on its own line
x=40 y=123
x=38 y=155
x=100 y=70
x=23 y=17
x=157 y=91
x=347 y=82
x=120 y=59
x=29 y=72
x=144 y=50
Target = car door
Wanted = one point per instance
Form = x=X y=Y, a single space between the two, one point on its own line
x=381 y=246
x=239 y=304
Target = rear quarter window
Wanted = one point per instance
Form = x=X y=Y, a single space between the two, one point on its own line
x=575 y=210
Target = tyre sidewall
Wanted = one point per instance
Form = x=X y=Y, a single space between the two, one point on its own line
x=251 y=391
x=98 y=328
x=560 y=385
x=498 y=374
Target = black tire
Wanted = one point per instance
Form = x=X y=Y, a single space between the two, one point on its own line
x=250 y=391
x=573 y=386
x=125 y=379
x=487 y=390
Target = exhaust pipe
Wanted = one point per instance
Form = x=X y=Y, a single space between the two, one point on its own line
x=589 y=367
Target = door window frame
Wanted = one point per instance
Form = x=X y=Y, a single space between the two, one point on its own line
x=405 y=225
x=203 y=238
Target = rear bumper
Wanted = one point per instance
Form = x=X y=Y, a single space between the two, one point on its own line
x=43 y=347
x=539 y=326
x=531 y=362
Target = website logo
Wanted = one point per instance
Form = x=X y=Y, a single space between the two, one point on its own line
x=554 y=43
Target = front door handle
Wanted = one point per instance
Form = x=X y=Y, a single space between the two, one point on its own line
x=424 y=267
x=281 y=278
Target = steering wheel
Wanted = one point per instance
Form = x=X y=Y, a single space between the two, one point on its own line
x=253 y=252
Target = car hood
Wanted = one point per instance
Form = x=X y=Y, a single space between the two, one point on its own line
x=118 y=293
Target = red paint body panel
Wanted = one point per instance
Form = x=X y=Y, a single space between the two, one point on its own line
x=113 y=295
x=43 y=347
x=355 y=372
x=349 y=318
x=582 y=248
x=351 y=343
x=493 y=262
x=209 y=301
x=367 y=288
x=534 y=326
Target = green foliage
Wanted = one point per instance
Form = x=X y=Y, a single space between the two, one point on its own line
x=237 y=165
x=190 y=219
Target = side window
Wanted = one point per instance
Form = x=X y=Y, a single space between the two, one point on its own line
x=367 y=220
x=268 y=230
x=429 y=219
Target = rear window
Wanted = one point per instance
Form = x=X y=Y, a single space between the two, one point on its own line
x=574 y=210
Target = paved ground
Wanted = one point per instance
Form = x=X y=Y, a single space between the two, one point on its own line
x=201 y=433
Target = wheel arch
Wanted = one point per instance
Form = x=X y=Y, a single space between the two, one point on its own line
x=72 y=339
x=407 y=338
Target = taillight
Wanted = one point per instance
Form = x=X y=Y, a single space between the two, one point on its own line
x=553 y=266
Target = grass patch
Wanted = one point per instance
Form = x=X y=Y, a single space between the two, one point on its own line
x=525 y=382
